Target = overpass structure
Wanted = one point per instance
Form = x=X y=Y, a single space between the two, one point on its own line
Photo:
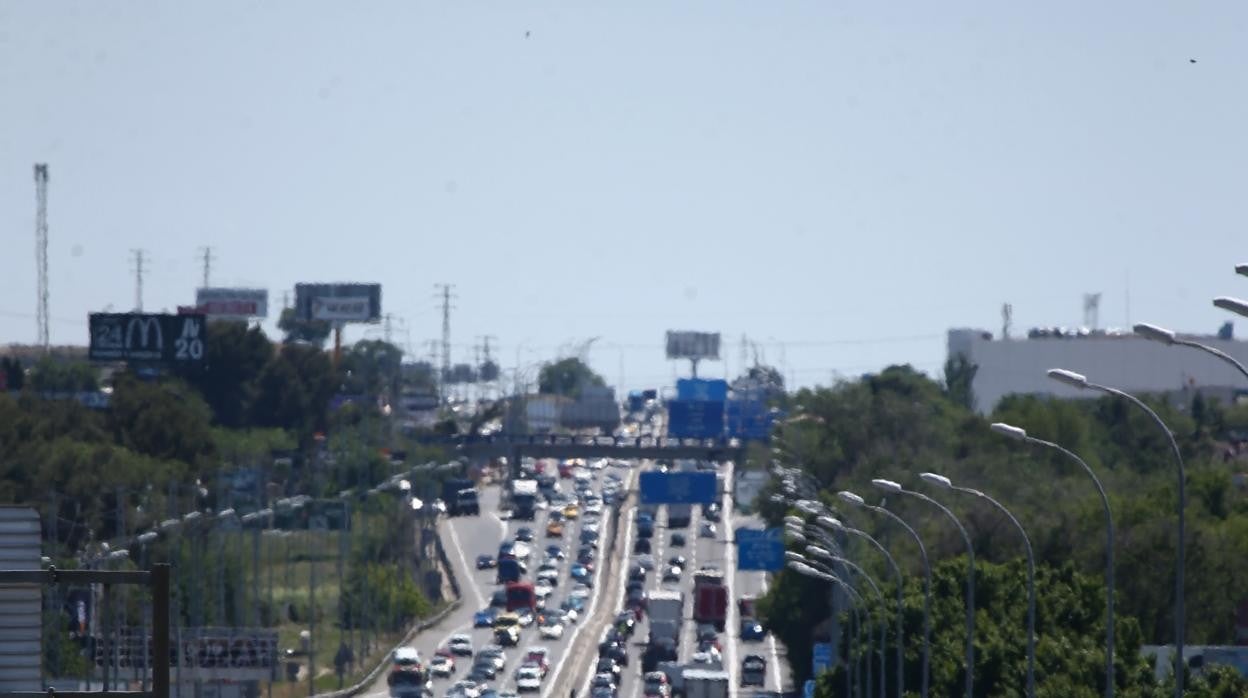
x=516 y=446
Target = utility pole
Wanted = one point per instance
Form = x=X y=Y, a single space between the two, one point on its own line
x=41 y=253
x=138 y=279
x=444 y=292
x=205 y=255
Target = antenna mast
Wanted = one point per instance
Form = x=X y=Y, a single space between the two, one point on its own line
x=41 y=252
x=445 y=293
x=138 y=279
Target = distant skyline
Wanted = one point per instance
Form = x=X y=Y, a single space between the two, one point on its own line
x=841 y=183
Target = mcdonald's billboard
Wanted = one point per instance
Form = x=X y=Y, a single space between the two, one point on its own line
x=176 y=340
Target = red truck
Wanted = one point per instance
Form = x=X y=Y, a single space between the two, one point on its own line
x=710 y=598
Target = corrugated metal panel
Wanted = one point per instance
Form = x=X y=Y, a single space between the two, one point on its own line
x=21 y=618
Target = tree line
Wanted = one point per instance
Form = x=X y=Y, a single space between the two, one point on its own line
x=164 y=440
x=898 y=423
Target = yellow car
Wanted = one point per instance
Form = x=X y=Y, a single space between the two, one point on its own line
x=554 y=529
x=571 y=511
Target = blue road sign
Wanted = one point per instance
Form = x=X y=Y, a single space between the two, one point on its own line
x=701 y=390
x=695 y=419
x=678 y=488
x=808 y=689
x=749 y=420
x=820 y=658
x=760 y=549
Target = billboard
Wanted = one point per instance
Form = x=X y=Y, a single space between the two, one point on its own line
x=692 y=345
x=232 y=303
x=338 y=303
x=169 y=339
x=21 y=605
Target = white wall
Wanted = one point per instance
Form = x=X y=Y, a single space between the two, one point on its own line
x=1126 y=362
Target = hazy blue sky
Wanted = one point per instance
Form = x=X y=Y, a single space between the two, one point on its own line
x=850 y=179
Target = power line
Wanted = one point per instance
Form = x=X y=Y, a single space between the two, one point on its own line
x=444 y=292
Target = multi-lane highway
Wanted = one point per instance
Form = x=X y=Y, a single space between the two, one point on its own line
x=468 y=537
x=573 y=658
x=699 y=549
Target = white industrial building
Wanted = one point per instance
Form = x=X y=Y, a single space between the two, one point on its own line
x=1122 y=360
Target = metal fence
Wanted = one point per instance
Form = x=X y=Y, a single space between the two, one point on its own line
x=156 y=579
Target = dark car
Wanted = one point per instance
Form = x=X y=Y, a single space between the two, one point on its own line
x=582 y=574
x=626 y=623
x=710 y=512
x=499 y=598
x=678 y=561
x=484 y=668
x=485 y=617
x=752 y=630
x=589 y=536
x=637 y=573
x=615 y=651
x=607 y=665
x=641 y=546
x=524 y=534
x=485 y=562
x=678 y=540
x=555 y=552
x=672 y=574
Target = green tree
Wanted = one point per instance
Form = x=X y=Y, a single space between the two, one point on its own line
x=313 y=332
x=56 y=376
x=371 y=367
x=567 y=377
x=165 y=419
x=959 y=377
x=234 y=357
x=14 y=376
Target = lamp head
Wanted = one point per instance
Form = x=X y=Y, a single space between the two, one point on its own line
x=1154 y=332
x=1074 y=380
x=938 y=480
x=1016 y=433
x=1234 y=305
x=830 y=522
x=887 y=485
x=851 y=498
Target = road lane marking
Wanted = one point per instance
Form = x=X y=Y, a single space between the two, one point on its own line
x=459 y=552
x=771 y=646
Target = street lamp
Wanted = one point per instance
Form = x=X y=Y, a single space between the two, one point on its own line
x=1161 y=334
x=1080 y=381
x=836 y=525
x=1020 y=434
x=893 y=487
x=854 y=500
x=942 y=481
x=834 y=558
x=809 y=568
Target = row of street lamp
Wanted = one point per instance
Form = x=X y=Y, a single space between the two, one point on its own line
x=823 y=553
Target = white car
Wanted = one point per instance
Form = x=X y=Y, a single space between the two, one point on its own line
x=550 y=576
x=529 y=678
x=542 y=588
x=460 y=645
x=552 y=628
x=645 y=562
x=526 y=617
x=465 y=688
x=442 y=666
x=581 y=590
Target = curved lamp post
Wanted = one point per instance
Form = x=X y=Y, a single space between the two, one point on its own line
x=893 y=487
x=810 y=568
x=1080 y=381
x=831 y=557
x=836 y=525
x=942 y=481
x=1020 y=434
x=1164 y=336
x=857 y=501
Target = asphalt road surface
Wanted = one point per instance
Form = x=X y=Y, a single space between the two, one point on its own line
x=700 y=552
x=465 y=538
